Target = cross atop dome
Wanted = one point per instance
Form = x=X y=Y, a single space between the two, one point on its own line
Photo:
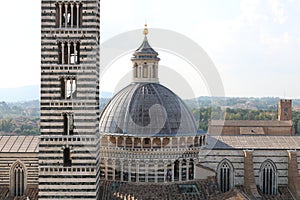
x=145 y=62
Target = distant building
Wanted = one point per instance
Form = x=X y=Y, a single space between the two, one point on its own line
x=282 y=126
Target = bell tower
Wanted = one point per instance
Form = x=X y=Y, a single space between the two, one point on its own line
x=284 y=109
x=69 y=121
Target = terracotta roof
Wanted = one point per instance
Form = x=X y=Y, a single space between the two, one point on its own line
x=26 y=144
x=253 y=142
x=248 y=123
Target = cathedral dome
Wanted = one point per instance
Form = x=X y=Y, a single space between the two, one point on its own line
x=147 y=109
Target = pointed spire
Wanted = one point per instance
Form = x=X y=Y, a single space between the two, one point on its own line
x=145 y=48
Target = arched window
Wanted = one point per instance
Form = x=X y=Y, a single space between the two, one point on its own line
x=225 y=175
x=18 y=179
x=268 y=178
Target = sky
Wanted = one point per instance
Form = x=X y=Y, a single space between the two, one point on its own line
x=254 y=44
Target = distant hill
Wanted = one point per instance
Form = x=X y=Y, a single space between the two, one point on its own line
x=29 y=93
x=32 y=92
x=106 y=95
x=25 y=93
x=250 y=103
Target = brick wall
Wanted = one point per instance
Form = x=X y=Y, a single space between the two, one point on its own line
x=293 y=175
x=249 y=180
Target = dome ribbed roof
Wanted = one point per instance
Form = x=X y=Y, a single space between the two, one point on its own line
x=147 y=109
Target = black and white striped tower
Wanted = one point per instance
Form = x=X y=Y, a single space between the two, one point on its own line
x=69 y=142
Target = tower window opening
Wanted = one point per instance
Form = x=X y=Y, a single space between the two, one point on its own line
x=72 y=54
x=67 y=158
x=71 y=124
x=63 y=14
x=75 y=14
x=65 y=53
x=65 y=124
x=63 y=88
x=59 y=53
x=71 y=88
x=68 y=15
x=68 y=87
x=68 y=53
x=68 y=119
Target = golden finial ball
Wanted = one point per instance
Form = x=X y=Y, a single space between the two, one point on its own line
x=146 y=30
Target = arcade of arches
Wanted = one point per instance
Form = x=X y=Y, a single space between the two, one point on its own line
x=161 y=166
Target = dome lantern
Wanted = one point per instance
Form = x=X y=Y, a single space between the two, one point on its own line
x=145 y=62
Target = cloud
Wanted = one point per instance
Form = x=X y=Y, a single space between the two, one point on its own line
x=261 y=41
x=278 y=9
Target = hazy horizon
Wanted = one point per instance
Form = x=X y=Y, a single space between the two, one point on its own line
x=32 y=92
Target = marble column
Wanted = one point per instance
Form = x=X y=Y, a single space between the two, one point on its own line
x=75 y=53
x=66 y=15
x=72 y=14
x=60 y=15
x=65 y=88
x=69 y=52
x=63 y=53
x=78 y=14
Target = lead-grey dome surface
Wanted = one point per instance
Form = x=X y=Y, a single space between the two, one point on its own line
x=147 y=109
